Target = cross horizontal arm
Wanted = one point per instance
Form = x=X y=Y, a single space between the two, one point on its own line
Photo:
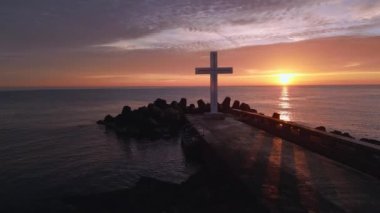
x=224 y=70
x=204 y=70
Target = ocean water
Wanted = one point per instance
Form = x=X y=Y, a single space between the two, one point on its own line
x=51 y=147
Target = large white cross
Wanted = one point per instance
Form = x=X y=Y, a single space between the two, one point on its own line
x=214 y=70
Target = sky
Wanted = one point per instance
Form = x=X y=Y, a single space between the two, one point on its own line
x=122 y=43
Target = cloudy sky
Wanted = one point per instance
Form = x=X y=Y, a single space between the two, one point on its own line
x=111 y=43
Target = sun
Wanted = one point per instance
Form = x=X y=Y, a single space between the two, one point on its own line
x=285 y=78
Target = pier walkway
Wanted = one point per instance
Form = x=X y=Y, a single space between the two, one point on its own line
x=285 y=176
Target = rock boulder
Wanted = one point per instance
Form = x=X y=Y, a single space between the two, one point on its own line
x=244 y=107
x=226 y=105
x=183 y=104
x=276 y=115
x=201 y=106
x=236 y=104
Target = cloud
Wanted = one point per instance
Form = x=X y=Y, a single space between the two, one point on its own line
x=165 y=39
x=243 y=23
x=186 y=25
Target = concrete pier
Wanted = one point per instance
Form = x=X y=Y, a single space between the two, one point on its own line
x=284 y=175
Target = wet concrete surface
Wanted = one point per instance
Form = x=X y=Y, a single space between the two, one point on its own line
x=285 y=176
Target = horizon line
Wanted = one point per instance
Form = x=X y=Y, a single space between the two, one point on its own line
x=169 y=86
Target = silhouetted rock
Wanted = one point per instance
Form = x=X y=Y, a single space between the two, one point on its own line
x=244 y=107
x=321 y=128
x=276 y=115
x=183 y=104
x=108 y=119
x=191 y=109
x=373 y=141
x=236 y=105
x=346 y=134
x=253 y=110
x=154 y=121
x=160 y=103
x=120 y=120
x=226 y=105
x=126 y=110
x=175 y=105
x=201 y=106
x=336 y=132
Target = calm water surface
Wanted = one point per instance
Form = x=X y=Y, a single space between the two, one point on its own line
x=50 y=145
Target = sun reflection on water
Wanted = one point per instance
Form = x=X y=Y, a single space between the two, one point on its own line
x=284 y=105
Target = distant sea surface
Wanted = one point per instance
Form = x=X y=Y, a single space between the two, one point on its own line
x=51 y=147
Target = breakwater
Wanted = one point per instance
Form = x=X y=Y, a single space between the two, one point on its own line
x=159 y=119
x=285 y=176
x=355 y=153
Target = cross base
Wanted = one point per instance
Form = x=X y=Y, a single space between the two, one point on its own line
x=215 y=116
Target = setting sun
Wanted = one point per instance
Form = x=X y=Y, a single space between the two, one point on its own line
x=285 y=78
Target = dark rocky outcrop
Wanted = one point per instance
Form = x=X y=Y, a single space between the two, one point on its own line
x=191 y=109
x=336 y=132
x=183 y=104
x=126 y=110
x=160 y=119
x=276 y=115
x=236 y=104
x=161 y=103
x=372 y=141
x=345 y=134
x=201 y=106
x=175 y=105
x=226 y=105
x=321 y=128
x=156 y=120
x=244 y=107
x=107 y=120
x=253 y=110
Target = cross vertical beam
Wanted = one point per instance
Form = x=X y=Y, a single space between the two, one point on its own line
x=214 y=70
x=214 y=82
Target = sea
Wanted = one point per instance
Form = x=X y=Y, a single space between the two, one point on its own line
x=51 y=146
